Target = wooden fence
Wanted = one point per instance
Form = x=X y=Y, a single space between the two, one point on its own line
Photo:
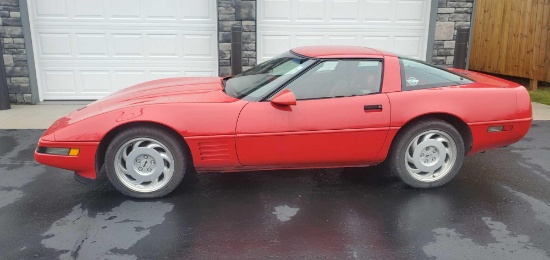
x=512 y=37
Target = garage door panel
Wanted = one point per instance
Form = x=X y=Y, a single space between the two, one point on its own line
x=275 y=44
x=163 y=45
x=199 y=73
x=163 y=9
x=161 y=74
x=95 y=81
x=344 y=10
x=411 y=11
x=276 y=10
x=124 y=78
x=59 y=81
x=51 y=9
x=128 y=45
x=88 y=9
x=409 y=46
x=310 y=10
x=198 y=46
x=378 y=11
x=202 y=10
x=399 y=26
x=126 y=9
x=304 y=40
x=55 y=44
x=378 y=42
x=95 y=40
x=91 y=45
x=344 y=40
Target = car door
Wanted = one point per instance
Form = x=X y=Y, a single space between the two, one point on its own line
x=340 y=118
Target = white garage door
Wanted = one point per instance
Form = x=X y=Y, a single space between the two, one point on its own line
x=399 y=26
x=86 y=49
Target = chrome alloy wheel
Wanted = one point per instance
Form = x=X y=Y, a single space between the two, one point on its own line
x=144 y=164
x=430 y=156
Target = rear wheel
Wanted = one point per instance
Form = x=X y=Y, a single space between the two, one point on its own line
x=145 y=162
x=427 y=154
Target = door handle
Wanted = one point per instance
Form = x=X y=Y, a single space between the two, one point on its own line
x=373 y=108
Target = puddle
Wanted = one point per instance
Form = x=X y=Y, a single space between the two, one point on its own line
x=285 y=213
x=451 y=245
x=108 y=234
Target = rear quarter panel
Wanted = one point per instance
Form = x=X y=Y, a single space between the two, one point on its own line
x=469 y=104
x=478 y=106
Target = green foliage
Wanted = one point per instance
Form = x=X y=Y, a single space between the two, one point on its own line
x=542 y=95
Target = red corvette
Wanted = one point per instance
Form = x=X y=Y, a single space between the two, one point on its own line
x=312 y=107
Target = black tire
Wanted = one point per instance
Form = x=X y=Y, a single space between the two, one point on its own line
x=396 y=161
x=169 y=140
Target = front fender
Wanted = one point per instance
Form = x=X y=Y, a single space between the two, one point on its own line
x=188 y=119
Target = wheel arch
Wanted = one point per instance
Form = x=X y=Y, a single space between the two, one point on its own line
x=104 y=143
x=455 y=121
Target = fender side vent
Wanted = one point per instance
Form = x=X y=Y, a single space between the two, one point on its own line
x=214 y=150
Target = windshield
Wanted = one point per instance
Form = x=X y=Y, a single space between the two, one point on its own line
x=263 y=78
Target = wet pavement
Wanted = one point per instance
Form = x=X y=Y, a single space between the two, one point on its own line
x=498 y=207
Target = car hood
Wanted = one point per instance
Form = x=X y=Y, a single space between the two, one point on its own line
x=164 y=91
x=182 y=90
x=172 y=90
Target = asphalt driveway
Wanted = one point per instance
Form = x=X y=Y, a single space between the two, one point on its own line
x=498 y=207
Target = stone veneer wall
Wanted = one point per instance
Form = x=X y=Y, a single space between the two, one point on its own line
x=236 y=12
x=15 y=57
x=451 y=14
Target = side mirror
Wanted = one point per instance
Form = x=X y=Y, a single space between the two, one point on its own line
x=285 y=98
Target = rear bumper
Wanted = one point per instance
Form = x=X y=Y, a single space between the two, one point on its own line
x=83 y=164
x=484 y=140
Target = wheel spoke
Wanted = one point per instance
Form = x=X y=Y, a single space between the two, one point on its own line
x=442 y=140
x=165 y=157
x=415 y=143
x=447 y=152
x=124 y=168
x=414 y=171
x=139 y=178
x=138 y=143
x=153 y=146
x=409 y=158
x=124 y=155
x=428 y=136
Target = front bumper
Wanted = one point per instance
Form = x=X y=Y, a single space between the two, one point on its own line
x=83 y=164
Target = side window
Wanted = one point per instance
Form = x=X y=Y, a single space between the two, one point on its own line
x=417 y=75
x=338 y=78
x=328 y=66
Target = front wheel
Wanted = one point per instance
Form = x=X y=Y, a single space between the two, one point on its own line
x=145 y=162
x=427 y=154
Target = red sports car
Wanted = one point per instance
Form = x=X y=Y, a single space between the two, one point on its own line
x=312 y=107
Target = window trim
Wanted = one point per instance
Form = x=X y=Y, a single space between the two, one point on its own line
x=319 y=61
x=403 y=80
